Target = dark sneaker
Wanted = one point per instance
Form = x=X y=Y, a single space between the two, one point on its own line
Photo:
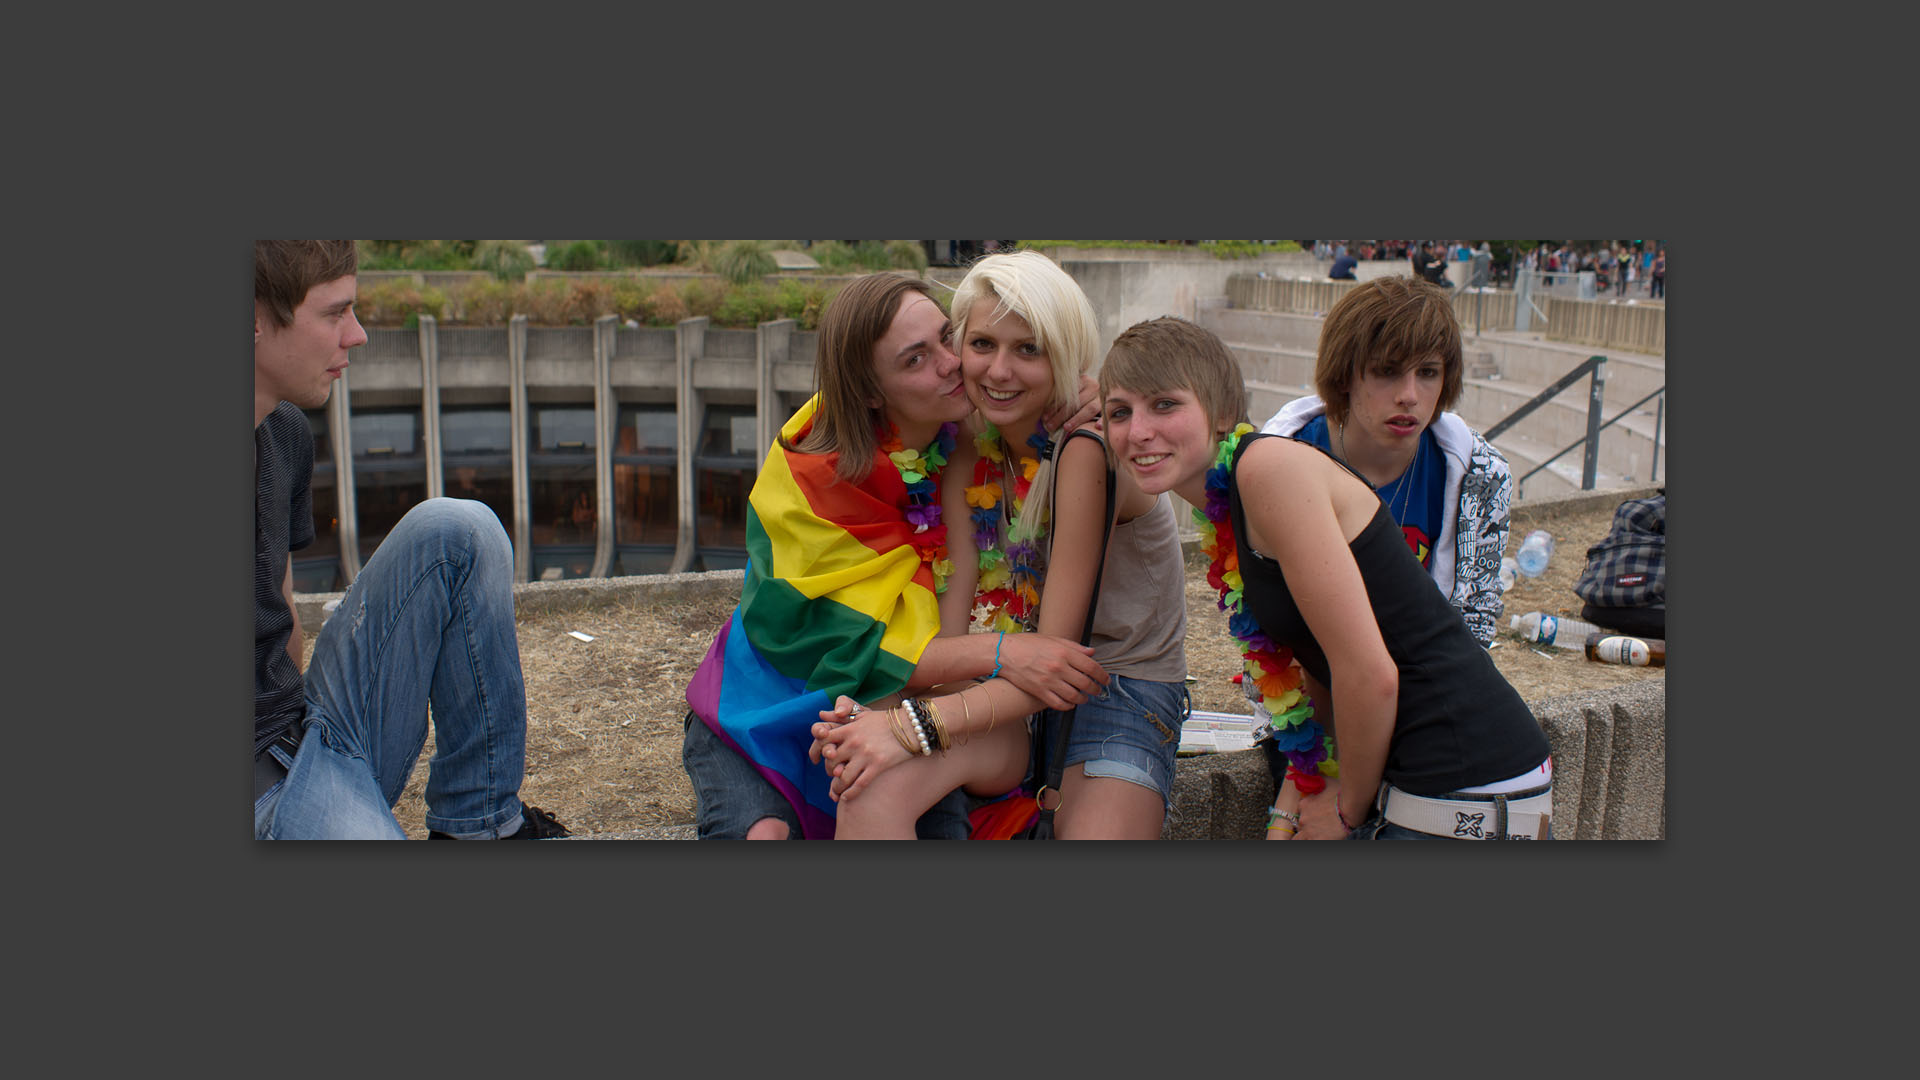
x=538 y=824
x=535 y=824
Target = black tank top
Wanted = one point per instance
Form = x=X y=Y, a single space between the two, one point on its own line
x=1458 y=722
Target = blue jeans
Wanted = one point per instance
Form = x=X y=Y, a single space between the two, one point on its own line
x=1130 y=731
x=429 y=621
x=729 y=795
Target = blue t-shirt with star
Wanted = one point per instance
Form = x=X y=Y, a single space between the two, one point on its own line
x=1417 y=500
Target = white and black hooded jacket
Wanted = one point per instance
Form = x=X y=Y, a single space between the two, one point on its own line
x=1479 y=501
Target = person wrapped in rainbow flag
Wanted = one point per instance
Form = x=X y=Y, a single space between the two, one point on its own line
x=846 y=559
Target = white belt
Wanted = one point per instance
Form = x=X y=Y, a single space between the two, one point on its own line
x=1481 y=817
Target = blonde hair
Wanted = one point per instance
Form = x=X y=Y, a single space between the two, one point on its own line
x=1034 y=287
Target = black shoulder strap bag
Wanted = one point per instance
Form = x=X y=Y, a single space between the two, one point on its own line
x=1054 y=729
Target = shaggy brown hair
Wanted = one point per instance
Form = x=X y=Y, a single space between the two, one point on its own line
x=1384 y=327
x=843 y=371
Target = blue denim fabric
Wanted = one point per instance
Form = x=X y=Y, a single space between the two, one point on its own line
x=1131 y=731
x=429 y=620
x=729 y=795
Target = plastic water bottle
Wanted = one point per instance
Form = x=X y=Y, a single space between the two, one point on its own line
x=1538 y=626
x=1534 y=553
x=1607 y=647
x=1508 y=571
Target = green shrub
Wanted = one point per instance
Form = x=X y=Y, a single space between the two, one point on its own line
x=664 y=306
x=588 y=301
x=544 y=302
x=832 y=255
x=640 y=252
x=398 y=303
x=872 y=255
x=702 y=298
x=379 y=254
x=745 y=306
x=508 y=260
x=485 y=302
x=744 y=261
x=630 y=300
x=697 y=255
x=907 y=255
x=576 y=255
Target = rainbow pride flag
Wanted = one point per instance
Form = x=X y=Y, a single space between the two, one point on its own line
x=836 y=601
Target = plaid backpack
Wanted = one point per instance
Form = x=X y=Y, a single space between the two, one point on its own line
x=1628 y=567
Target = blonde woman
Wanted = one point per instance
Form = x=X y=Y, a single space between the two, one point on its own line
x=1026 y=562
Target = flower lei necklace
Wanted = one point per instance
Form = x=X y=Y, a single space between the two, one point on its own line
x=920 y=472
x=1008 y=591
x=1272 y=679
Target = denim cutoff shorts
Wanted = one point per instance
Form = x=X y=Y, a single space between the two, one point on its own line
x=729 y=794
x=1131 y=731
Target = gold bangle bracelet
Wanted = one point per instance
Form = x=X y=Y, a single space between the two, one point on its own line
x=967 y=711
x=899 y=734
x=940 y=738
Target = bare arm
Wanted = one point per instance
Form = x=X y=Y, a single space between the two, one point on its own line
x=296 y=645
x=1306 y=513
x=1058 y=673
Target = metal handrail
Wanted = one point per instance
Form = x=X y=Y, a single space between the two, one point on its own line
x=1519 y=485
x=1596 y=366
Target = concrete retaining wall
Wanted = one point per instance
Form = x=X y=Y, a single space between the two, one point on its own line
x=1609 y=776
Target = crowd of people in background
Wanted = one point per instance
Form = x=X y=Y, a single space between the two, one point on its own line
x=1620 y=267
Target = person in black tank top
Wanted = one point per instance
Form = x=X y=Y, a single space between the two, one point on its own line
x=1433 y=741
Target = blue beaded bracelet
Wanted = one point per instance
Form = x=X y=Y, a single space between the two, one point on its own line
x=996 y=654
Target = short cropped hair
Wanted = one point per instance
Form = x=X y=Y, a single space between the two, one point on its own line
x=843 y=370
x=1035 y=288
x=283 y=271
x=1171 y=353
x=1386 y=326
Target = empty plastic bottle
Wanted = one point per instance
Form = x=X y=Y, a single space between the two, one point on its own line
x=1508 y=571
x=1534 y=553
x=1538 y=626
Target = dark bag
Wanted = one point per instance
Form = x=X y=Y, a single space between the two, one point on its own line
x=1625 y=580
x=1054 y=729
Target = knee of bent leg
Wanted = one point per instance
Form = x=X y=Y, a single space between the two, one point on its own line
x=768 y=828
x=458 y=525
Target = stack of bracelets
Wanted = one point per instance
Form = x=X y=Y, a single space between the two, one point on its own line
x=923 y=731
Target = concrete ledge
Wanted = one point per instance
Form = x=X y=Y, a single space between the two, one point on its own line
x=1546 y=507
x=1609 y=758
x=547 y=597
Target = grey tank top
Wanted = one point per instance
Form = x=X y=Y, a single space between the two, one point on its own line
x=1140 y=624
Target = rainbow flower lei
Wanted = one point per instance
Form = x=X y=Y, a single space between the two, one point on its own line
x=1272 y=679
x=1008 y=591
x=920 y=472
